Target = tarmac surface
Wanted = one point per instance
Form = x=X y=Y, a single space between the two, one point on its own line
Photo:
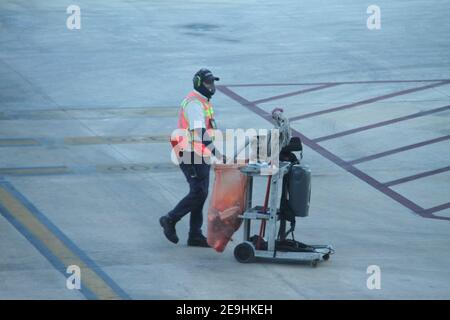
x=85 y=171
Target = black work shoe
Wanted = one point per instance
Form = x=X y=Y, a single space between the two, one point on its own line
x=198 y=241
x=169 y=228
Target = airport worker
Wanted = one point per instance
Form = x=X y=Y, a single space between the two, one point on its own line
x=193 y=146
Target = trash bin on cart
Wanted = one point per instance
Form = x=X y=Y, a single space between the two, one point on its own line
x=227 y=203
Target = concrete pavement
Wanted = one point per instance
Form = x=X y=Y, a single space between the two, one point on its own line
x=84 y=174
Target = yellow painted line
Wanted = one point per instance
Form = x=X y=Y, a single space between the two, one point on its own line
x=84 y=140
x=53 y=114
x=18 y=142
x=137 y=167
x=37 y=170
x=89 y=113
x=117 y=139
x=88 y=277
x=157 y=112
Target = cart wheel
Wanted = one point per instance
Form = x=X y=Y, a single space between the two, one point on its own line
x=326 y=257
x=244 y=252
x=314 y=263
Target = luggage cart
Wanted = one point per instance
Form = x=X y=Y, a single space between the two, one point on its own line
x=276 y=248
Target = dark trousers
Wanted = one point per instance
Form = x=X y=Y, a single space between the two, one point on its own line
x=193 y=202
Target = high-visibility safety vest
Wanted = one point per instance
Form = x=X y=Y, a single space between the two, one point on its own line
x=187 y=140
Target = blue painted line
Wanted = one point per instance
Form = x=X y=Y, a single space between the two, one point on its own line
x=54 y=261
x=62 y=237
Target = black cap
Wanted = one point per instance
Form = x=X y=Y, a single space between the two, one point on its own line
x=206 y=75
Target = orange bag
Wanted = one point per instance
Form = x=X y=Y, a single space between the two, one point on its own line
x=227 y=203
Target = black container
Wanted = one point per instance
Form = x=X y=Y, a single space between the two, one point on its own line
x=299 y=189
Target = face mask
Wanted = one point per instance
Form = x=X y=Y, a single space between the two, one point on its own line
x=210 y=86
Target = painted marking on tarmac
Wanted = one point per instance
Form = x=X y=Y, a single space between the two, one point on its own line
x=382 y=123
x=290 y=94
x=116 y=139
x=441 y=207
x=416 y=176
x=35 y=171
x=89 y=113
x=369 y=101
x=324 y=83
x=87 y=140
x=401 y=149
x=126 y=168
x=157 y=167
x=411 y=205
x=18 y=142
x=59 y=250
